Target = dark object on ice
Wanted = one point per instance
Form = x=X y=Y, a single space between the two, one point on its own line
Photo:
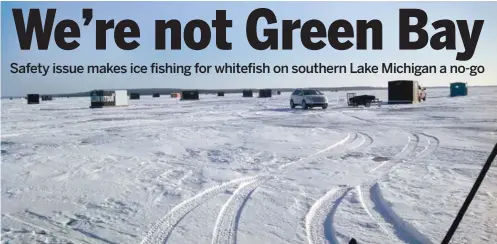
x=351 y=155
x=352 y=241
x=220 y=94
x=265 y=93
x=458 y=89
x=33 y=98
x=40 y=232
x=380 y=159
x=156 y=95
x=248 y=93
x=470 y=197
x=365 y=100
x=46 y=98
x=278 y=92
x=72 y=222
x=405 y=92
x=189 y=95
x=102 y=98
x=134 y=96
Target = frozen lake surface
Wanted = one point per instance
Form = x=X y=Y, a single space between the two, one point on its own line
x=227 y=170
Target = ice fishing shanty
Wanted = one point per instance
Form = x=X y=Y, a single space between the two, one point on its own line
x=458 y=89
x=403 y=92
x=220 y=94
x=175 y=95
x=189 y=95
x=248 y=93
x=33 y=98
x=156 y=95
x=46 y=98
x=134 y=96
x=265 y=93
x=101 y=98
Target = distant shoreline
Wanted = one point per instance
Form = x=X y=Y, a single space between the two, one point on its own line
x=167 y=91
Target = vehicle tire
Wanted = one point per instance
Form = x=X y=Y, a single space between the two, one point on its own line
x=304 y=105
x=325 y=106
x=292 y=105
x=367 y=104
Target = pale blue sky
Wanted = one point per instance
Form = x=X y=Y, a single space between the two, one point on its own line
x=144 y=13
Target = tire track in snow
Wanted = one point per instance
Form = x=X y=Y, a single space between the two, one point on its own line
x=404 y=231
x=433 y=145
x=161 y=231
x=346 y=140
x=380 y=223
x=382 y=213
x=361 y=141
x=226 y=227
x=408 y=149
x=358 y=118
x=367 y=140
x=319 y=219
x=227 y=223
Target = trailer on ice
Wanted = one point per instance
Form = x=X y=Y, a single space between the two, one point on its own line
x=365 y=100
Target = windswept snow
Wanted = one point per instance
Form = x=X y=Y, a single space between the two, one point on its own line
x=226 y=170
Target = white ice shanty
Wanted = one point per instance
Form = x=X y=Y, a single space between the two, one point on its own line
x=102 y=98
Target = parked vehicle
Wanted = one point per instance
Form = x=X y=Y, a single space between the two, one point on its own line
x=308 y=98
x=364 y=100
x=422 y=93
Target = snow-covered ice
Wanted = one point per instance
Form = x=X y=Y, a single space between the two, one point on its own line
x=225 y=170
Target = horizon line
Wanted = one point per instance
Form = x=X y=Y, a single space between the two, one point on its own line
x=231 y=89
